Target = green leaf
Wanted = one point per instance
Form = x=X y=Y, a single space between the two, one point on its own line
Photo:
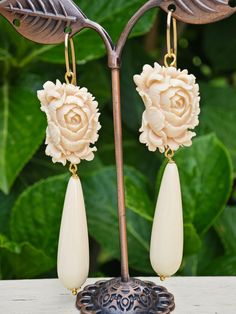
x=221 y=52
x=37 y=213
x=112 y=15
x=132 y=104
x=22 y=261
x=40 y=226
x=102 y=216
x=192 y=241
x=131 y=144
x=99 y=87
x=10 y=246
x=22 y=128
x=222 y=266
x=225 y=227
x=41 y=167
x=192 y=246
x=211 y=250
x=4 y=54
x=6 y=203
x=137 y=200
x=206 y=180
x=219 y=115
x=189 y=266
x=13 y=46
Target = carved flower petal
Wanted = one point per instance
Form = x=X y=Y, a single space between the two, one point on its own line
x=178 y=121
x=56 y=154
x=175 y=96
x=173 y=131
x=54 y=133
x=180 y=84
x=165 y=98
x=185 y=139
x=88 y=154
x=75 y=101
x=157 y=79
x=172 y=144
x=75 y=146
x=145 y=97
x=74 y=136
x=74 y=159
x=155 y=139
x=155 y=118
x=71 y=89
x=61 y=160
x=60 y=114
x=72 y=116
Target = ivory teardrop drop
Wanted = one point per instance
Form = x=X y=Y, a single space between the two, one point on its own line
x=73 y=247
x=166 y=250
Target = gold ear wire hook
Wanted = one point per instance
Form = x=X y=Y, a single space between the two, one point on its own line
x=171 y=51
x=70 y=75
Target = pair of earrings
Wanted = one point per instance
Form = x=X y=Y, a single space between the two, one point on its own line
x=171 y=99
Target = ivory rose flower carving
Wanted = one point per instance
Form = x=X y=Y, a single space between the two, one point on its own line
x=171 y=98
x=72 y=115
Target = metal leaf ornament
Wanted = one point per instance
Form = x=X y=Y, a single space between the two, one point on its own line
x=199 y=11
x=43 y=21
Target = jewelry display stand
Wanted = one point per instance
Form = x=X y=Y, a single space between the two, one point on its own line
x=46 y=22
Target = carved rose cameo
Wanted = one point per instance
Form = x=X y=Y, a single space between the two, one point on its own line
x=72 y=115
x=171 y=98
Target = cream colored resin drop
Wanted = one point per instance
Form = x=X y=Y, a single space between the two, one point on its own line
x=166 y=250
x=73 y=247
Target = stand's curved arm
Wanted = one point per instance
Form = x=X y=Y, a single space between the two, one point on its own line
x=132 y=22
x=110 y=47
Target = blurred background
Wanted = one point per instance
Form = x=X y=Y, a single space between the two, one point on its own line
x=32 y=187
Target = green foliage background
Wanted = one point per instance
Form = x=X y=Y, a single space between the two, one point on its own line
x=32 y=188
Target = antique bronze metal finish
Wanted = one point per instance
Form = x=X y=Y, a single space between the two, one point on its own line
x=47 y=21
x=120 y=173
x=43 y=21
x=199 y=11
x=133 y=297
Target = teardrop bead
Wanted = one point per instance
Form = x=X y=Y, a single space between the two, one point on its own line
x=166 y=249
x=73 y=247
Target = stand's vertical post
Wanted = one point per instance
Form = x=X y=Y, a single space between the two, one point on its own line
x=120 y=173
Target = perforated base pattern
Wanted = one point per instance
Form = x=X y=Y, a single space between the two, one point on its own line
x=115 y=296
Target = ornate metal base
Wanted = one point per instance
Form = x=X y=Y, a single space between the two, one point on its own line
x=115 y=296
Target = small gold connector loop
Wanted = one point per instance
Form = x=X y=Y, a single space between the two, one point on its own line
x=73 y=169
x=70 y=75
x=170 y=60
x=162 y=278
x=169 y=154
x=74 y=291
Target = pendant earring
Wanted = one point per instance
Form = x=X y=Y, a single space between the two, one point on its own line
x=73 y=124
x=171 y=99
